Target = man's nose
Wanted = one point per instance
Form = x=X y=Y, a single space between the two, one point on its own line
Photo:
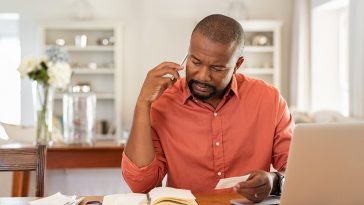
x=204 y=74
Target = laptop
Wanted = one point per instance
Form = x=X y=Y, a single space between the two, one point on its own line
x=325 y=165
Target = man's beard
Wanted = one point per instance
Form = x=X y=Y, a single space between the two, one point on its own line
x=195 y=94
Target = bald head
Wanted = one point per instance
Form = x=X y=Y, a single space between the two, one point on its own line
x=221 y=29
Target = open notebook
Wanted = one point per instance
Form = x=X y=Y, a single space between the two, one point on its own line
x=157 y=196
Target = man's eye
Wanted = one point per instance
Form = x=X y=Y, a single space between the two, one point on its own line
x=196 y=62
x=218 y=69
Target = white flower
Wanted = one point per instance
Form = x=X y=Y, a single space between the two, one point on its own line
x=59 y=74
x=43 y=58
x=28 y=65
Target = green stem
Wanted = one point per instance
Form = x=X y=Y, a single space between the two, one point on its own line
x=41 y=117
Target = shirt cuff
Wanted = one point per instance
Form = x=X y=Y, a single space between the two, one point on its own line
x=132 y=169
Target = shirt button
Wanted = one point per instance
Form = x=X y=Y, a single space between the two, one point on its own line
x=217 y=143
x=215 y=114
x=219 y=173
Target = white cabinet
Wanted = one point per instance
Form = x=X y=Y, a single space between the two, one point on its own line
x=95 y=56
x=262 y=50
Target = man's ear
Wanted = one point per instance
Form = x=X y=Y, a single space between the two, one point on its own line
x=238 y=63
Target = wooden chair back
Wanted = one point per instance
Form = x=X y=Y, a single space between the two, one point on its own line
x=26 y=159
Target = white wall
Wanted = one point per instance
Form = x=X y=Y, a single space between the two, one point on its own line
x=156 y=31
x=356 y=59
x=325 y=61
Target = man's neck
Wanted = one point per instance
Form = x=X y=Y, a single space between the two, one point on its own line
x=213 y=102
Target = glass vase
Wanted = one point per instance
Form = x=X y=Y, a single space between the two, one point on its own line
x=79 y=115
x=43 y=107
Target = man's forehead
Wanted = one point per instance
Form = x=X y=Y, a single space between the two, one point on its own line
x=202 y=47
x=198 y=36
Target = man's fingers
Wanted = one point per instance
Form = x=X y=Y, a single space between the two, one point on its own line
x=156 y=82
x=257 y=187
x=252 y=182
x=257 y=197
x=251 y=197
x=167 y=70
x=253 y=190
x=169 y=64
x=168 y=82
x=261 y=190
x=170 y=72
x=254 y=194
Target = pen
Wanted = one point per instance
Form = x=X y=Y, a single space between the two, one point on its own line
x=181 y=64
x=184 y=59
x=149 y=200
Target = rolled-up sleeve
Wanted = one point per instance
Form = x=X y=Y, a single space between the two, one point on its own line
x=143 y=179
x=283 y=135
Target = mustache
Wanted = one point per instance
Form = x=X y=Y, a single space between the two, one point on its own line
x=192 y=81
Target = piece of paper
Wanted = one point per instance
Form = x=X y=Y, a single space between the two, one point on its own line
x=56 y=199
x=125 y=199
x=231 y=182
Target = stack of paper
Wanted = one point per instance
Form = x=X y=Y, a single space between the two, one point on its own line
x=57 y=199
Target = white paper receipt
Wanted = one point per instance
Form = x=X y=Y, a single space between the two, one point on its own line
x=231 y=182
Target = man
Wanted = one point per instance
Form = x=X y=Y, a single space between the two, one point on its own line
x=213 y=124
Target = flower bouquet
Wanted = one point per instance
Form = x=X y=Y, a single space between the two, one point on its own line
x=48 y=73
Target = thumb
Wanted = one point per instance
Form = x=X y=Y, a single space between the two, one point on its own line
x=245 y=183
x=251 y=176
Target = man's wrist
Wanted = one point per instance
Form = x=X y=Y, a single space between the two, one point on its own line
x=275 y=182
x=278 y=181
x=142 y=103
x=142 y=100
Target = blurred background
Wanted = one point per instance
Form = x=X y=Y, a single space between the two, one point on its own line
x=312 y=50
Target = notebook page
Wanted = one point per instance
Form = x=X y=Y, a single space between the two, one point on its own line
x=168 y=192
x=125 y=199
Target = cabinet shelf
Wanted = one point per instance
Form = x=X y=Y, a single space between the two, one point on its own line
x=259 y=49
x=105 y=137
x=93 y=71
x=263 y=61
x=106 y=78
x=105 y=96
x=87 y=48
x=99 y=96
x=261 y=71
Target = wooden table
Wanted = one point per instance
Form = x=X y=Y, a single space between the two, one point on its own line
x=101 y=155
x=61 y=156
x=202 y=199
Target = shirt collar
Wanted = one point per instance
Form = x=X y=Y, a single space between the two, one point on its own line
x=186 y=93
x=234 y=87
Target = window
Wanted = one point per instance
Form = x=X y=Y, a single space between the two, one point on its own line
x=329 y=55
x=9 y=61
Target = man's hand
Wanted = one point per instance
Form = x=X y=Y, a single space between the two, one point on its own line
x=156 y=82
x=139 y=148
x=258 y=186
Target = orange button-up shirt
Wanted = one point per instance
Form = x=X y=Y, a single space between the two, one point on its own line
x=196 y=145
